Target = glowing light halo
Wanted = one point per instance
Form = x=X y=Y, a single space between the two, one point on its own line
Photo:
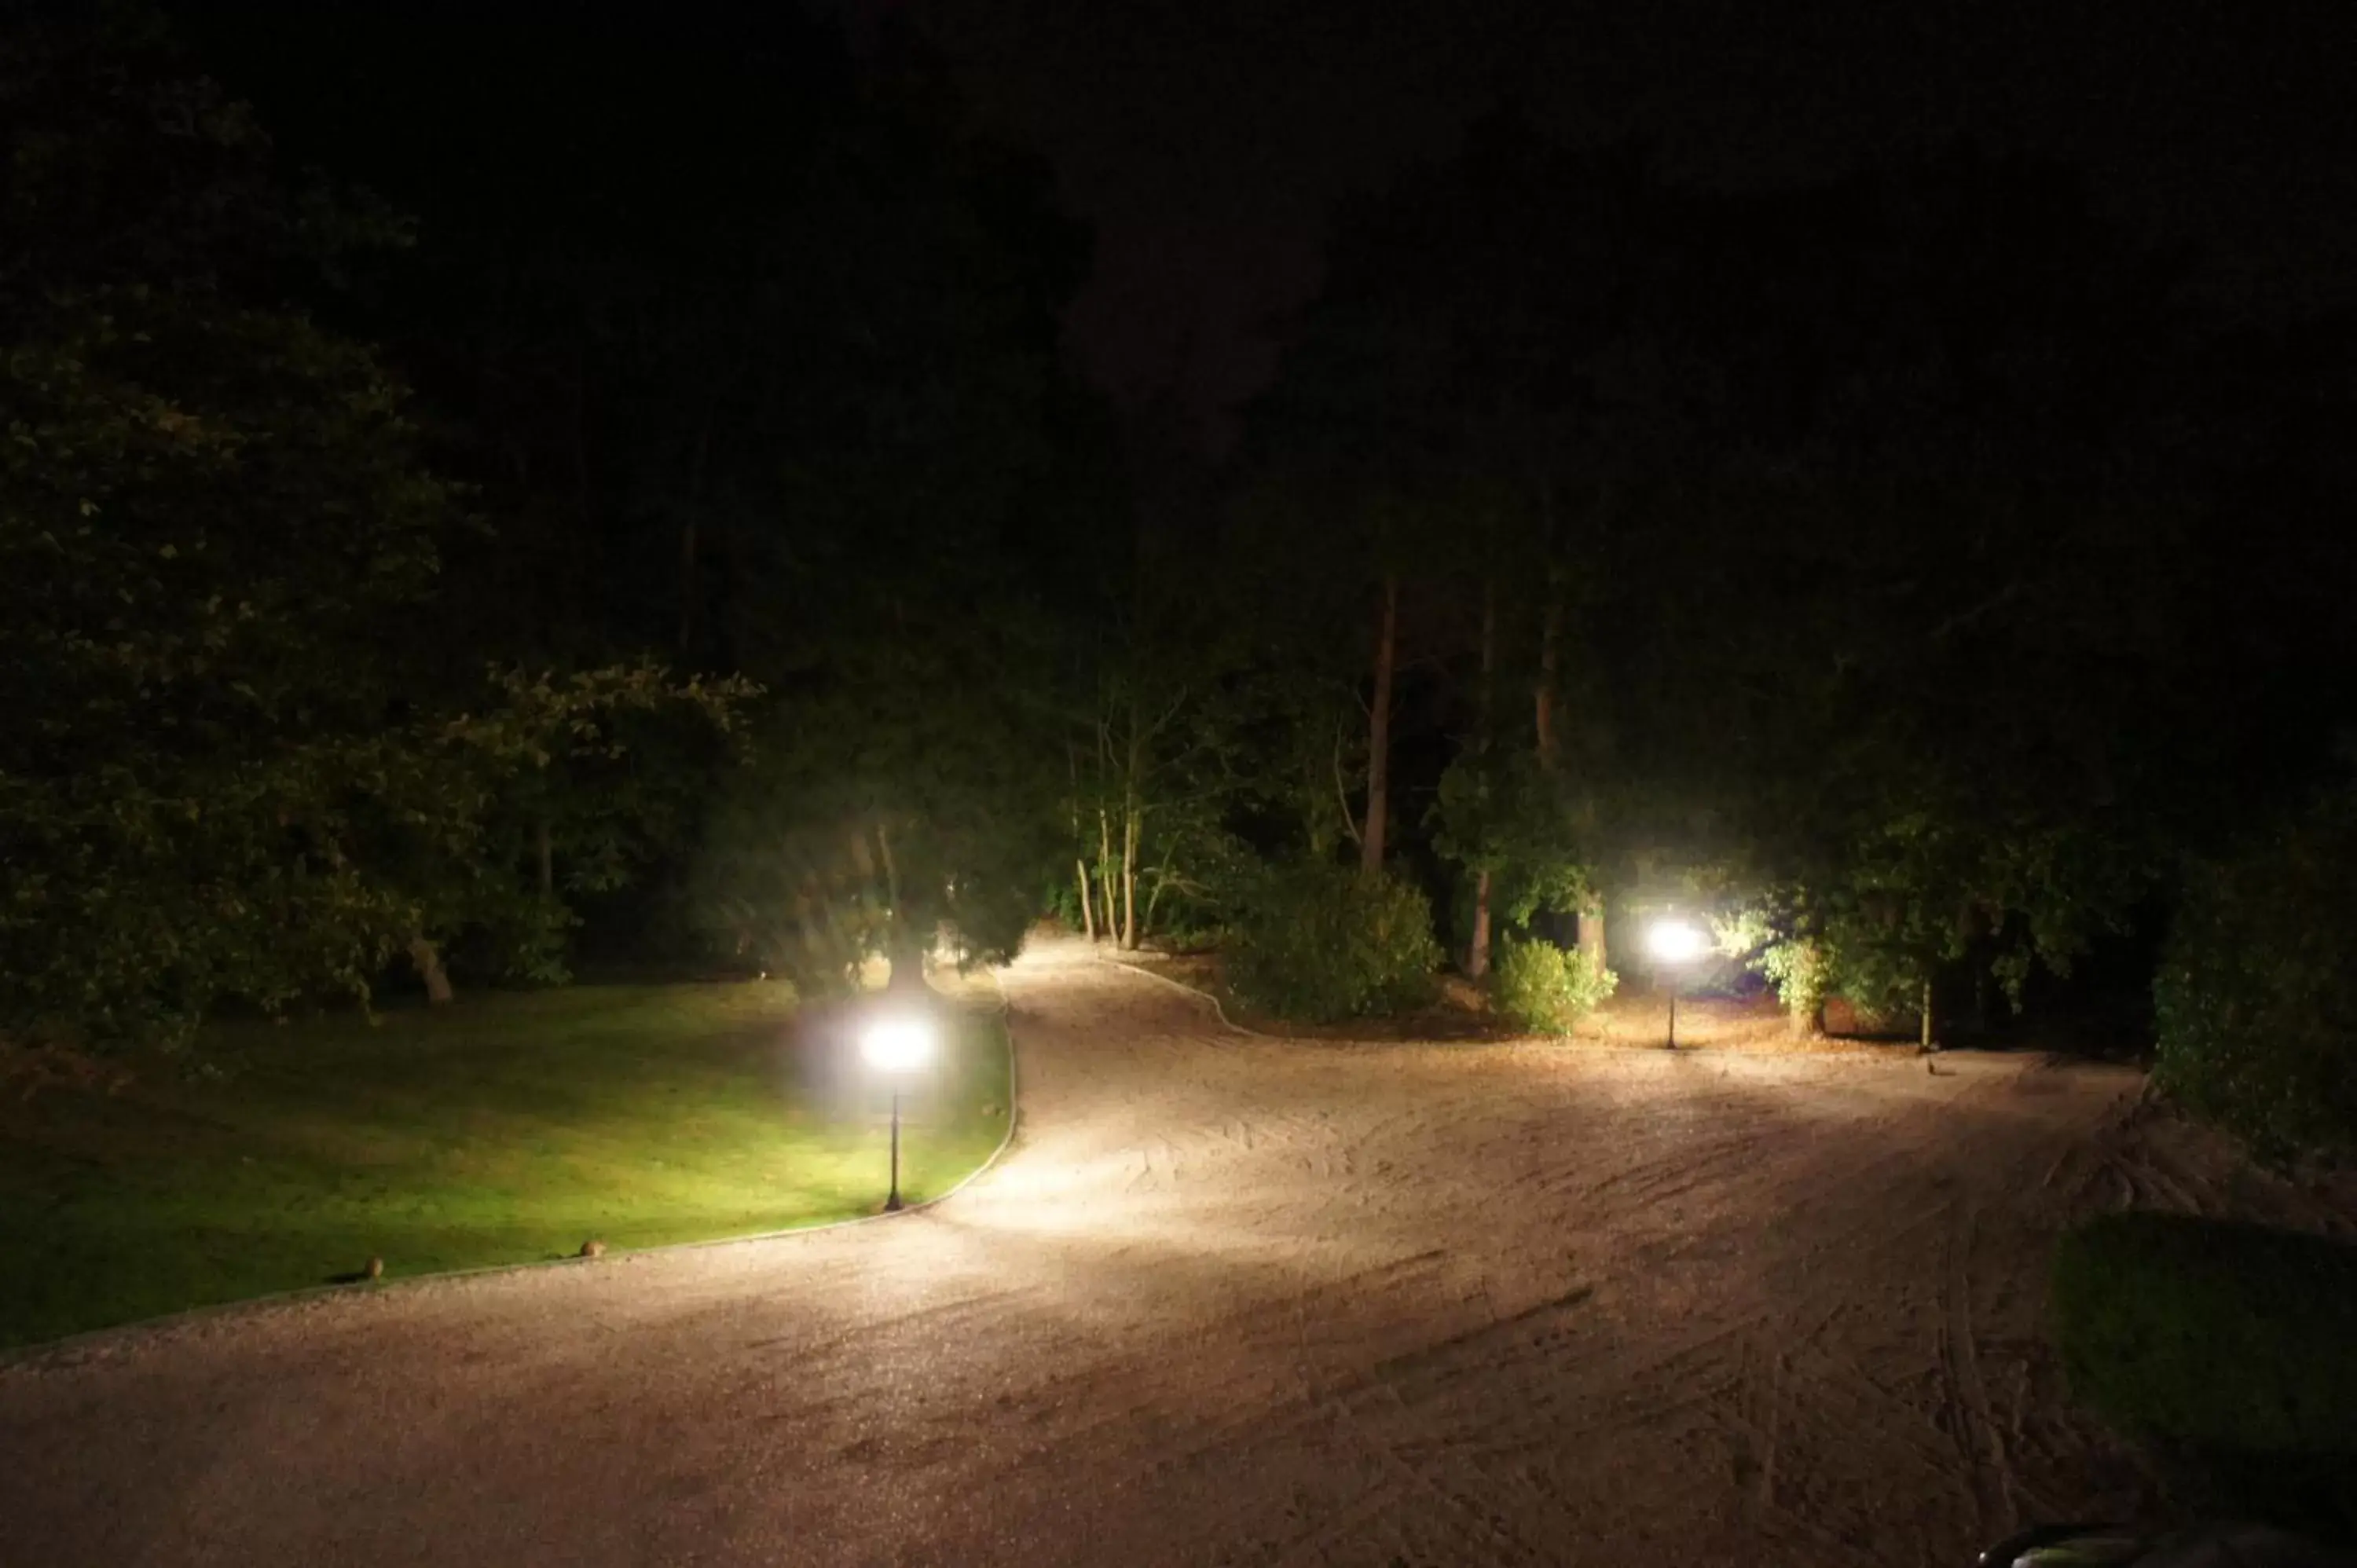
x=1673 y=941
x=896 y=1043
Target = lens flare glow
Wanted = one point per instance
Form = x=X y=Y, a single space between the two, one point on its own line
x=899 y=1044
x=1675 y=942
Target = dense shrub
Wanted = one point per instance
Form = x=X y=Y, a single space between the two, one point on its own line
x=1776 y=938
x=1542 y=986
x=2230 y=1349
x=1320 y=943
x=2256 y=996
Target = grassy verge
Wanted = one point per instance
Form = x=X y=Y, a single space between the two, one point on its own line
x=505 y=1130
x=2230 y=1351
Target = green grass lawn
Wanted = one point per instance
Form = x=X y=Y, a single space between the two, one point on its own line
x=2229 y=1351
x=503 y=1130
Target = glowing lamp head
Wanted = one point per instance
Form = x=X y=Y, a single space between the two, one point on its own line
x=1675 y=942
x=896 y=1045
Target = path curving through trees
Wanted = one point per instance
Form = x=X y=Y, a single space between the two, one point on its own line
x=1226 y=1300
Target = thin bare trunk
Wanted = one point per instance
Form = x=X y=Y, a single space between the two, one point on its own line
x=1927 y=1016
x=1104 y=871
x=547 y=859
x=1132 y=830
x=891 y=869
x=1080 y=859
x=1477 y=954
x=1342 y=794
x=1161 y=881
x=1379 y=735
x=1129 y=884
x=428 y=959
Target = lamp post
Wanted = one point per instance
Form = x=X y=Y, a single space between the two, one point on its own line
x=897 y=1046
x=1674 y=943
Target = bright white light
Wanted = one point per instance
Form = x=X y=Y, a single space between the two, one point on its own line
x=900 y=1044
x=1675 y=942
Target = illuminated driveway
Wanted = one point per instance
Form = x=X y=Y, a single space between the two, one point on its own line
x=1226 y=1301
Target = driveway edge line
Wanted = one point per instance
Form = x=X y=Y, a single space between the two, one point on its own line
x=1194 y=990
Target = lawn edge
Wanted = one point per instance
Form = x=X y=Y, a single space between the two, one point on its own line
x=1195 y=991
x=43 y=1349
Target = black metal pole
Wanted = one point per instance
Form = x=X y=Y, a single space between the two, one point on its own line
x=1674 y=1014
x=893 y=1202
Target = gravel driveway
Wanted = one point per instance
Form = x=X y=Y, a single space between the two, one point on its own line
x=1225 y=1301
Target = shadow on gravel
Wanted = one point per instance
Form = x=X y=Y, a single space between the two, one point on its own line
x=2229 y=1351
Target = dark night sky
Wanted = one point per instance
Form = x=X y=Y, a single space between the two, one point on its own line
x=1207 y=139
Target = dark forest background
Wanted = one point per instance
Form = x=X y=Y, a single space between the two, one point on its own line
x=484 y=501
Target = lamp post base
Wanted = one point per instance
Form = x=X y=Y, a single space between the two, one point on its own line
x=893 y=1205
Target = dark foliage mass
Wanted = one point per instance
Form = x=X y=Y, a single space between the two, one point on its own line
x=2255 y=991
x=451 y=542
x=242 y=755
x=637 y=510
x=1320 y=943
x=2230 y=1349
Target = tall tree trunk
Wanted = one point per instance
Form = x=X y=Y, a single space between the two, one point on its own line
x=1590 y=916
x=428 y=959
x=907 y=959
x=1379 y=735
x=1808 y=1011
x=547 y=859
x=1129 y=883
x=1476 y=955
x=1131 y=831
x=1591 y=929
x=1927 y=1014
x=905 y=946
x=1080 y=858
